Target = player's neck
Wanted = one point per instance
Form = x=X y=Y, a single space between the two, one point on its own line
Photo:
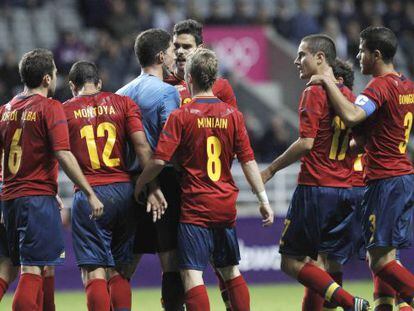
x=154 y=70
x=327 y=71
x=197 y=93
x=179 y=74
x=383 y=69
x=39 y=91
x=88 y=89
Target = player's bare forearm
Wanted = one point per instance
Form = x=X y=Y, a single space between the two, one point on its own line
x=252 y=173
x=70 y=166
x=151 y=170
x=141 y=147
x=349 y=113
x=296 y=151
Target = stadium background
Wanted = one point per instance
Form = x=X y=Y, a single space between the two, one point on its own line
x=256 y=43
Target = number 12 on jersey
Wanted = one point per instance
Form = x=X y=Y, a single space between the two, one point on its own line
x=88 y=133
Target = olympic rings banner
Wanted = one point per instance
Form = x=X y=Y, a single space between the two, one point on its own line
x=242 y=49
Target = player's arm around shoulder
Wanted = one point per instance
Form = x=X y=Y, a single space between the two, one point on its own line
x=350 y=113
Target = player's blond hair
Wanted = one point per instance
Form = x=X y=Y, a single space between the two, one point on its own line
x=203 y=67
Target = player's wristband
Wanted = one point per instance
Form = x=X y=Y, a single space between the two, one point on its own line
x=262 y=196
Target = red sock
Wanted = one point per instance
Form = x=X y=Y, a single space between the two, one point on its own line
x=27 y=292
x=399 y=278
x=97 y=295
x=238 y=294
x=337 y=277
x=196 y=299
x=3 y=288
x=49 y=293
x=383 y=295
x=120 y=293
x=312 y=300
x=223 y=291
x=315 y=278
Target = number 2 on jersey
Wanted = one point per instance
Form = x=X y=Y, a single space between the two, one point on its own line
x=408 y=123
x=87 y=133
x=339 y=128
x=213 y=154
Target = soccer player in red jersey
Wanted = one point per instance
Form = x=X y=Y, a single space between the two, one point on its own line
x=99 y=125
x=8 y=272
x=34 y=138
x=318 y=216
x=187 y=36
x=387 y=103
x=214 y=131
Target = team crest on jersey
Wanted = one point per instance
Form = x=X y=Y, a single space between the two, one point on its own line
x=185 y=101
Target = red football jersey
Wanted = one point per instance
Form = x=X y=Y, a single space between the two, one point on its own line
x=99 y=127
x=324 y=165
x=221 y=89
x=32 y=128
x=386 y=148
x=205 y=135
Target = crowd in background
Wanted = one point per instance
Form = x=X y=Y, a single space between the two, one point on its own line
x=104 y=30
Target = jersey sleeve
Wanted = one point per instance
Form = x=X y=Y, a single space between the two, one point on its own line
x=133 y=117
x=375 y=91
x=310 y=112
x=170 y=102
x=225 y=92
x=57 y=126
x=169 y=139
x=243 y=149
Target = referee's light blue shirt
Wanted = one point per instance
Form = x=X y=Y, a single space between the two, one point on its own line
x=156 y=100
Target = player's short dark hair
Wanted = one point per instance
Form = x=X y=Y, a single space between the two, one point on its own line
x=344 y=70
x=190 y=27
x=83 y=72
x=149 y=43
x=322 y=43
x=34 y=65
x=381 y=39
x=203 y=67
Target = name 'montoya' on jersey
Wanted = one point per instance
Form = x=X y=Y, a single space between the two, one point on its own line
x=91 y=112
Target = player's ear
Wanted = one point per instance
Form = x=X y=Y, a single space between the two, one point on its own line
x=377 y=54
x=99 y=85
x=47 y=79
x=320 y=57
x=160 y=57
x=73 y=88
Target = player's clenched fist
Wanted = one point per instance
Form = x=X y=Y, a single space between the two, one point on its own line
x=96 y=206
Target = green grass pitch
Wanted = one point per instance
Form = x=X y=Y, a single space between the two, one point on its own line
x=283 y=297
